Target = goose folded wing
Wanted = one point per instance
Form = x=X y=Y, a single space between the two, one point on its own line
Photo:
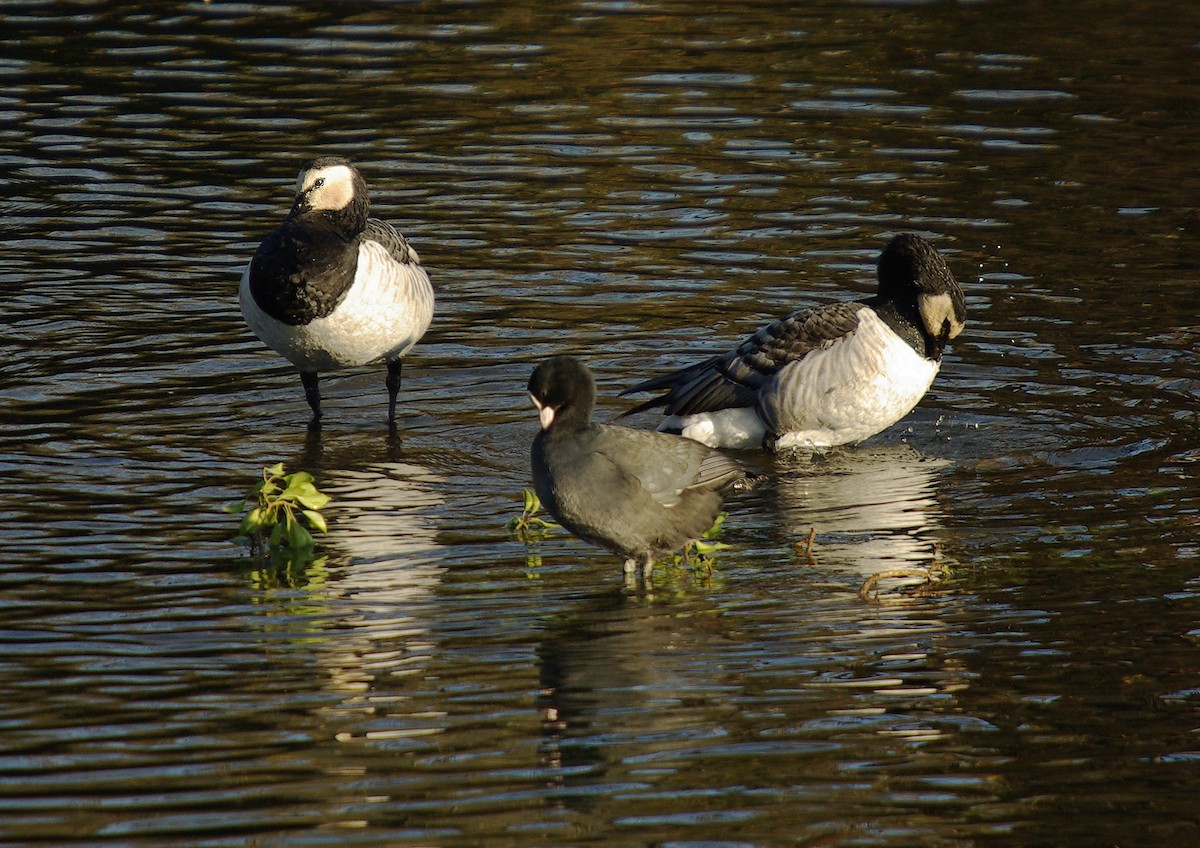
x=392 y=241
x=734 y=379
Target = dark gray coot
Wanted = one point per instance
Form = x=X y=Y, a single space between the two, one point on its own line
x=638 y=493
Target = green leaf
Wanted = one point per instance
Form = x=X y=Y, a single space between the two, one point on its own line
x=316 y=520
x=313 y=499
x=270 y=510
x=269 y=515
x=706 y=548
x=298 y=537
x=531 y=502
x=306 y=493
x=716 y=528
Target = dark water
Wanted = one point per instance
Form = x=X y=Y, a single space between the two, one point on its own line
x=636 y=182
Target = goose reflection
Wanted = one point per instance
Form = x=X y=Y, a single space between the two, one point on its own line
x=871 y=508
x=382 y=525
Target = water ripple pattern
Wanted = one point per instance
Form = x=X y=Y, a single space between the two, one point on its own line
x=641 y=184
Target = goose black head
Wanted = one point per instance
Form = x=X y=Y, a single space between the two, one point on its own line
x=333 y=188
x=913 y=274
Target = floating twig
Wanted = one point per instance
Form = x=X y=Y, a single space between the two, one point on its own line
x=805 y=548
x=926 y=574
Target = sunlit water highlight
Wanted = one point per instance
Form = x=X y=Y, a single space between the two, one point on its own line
x=640 y=184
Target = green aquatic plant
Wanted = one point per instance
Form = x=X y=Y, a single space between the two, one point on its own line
x=529 y=526
x=698 y=554
x=281 y=511
x=707 y=544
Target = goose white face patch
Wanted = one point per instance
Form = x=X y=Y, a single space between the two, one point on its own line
x=937 y=310
x=335 y=189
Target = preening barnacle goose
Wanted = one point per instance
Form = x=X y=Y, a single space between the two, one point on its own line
x=333 y=287
x=826 y=376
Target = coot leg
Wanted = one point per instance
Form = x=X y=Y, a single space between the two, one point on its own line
x=647 y=568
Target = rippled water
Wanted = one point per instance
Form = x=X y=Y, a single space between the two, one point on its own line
x=638 y=183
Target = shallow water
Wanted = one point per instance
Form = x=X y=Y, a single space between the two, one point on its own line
x=638 y=183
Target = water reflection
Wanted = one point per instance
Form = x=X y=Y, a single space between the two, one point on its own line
x=623 y=701
x=384 y=525
x=627 y=178
x=826 y=697
x=369 y=599
x=872 y=508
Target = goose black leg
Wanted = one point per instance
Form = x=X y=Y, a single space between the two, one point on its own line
x=312 y=392
x=393 y=387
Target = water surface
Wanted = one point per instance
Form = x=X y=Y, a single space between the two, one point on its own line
x=639 y=183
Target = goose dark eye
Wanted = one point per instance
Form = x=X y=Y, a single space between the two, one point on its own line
x=320 y=182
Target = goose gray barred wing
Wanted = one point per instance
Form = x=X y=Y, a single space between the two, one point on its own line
x=392 y=240
x=734 y=379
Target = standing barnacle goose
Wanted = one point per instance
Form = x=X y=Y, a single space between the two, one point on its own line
x=637 y=493
x=333 y=287
x=826 y=376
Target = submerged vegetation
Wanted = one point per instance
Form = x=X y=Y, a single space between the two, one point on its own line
x=529 y=526
x=281 y=512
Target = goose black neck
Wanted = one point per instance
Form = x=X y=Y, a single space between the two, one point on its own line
x=348 y=222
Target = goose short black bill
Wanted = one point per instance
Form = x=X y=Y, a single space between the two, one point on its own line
x=312 y=389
